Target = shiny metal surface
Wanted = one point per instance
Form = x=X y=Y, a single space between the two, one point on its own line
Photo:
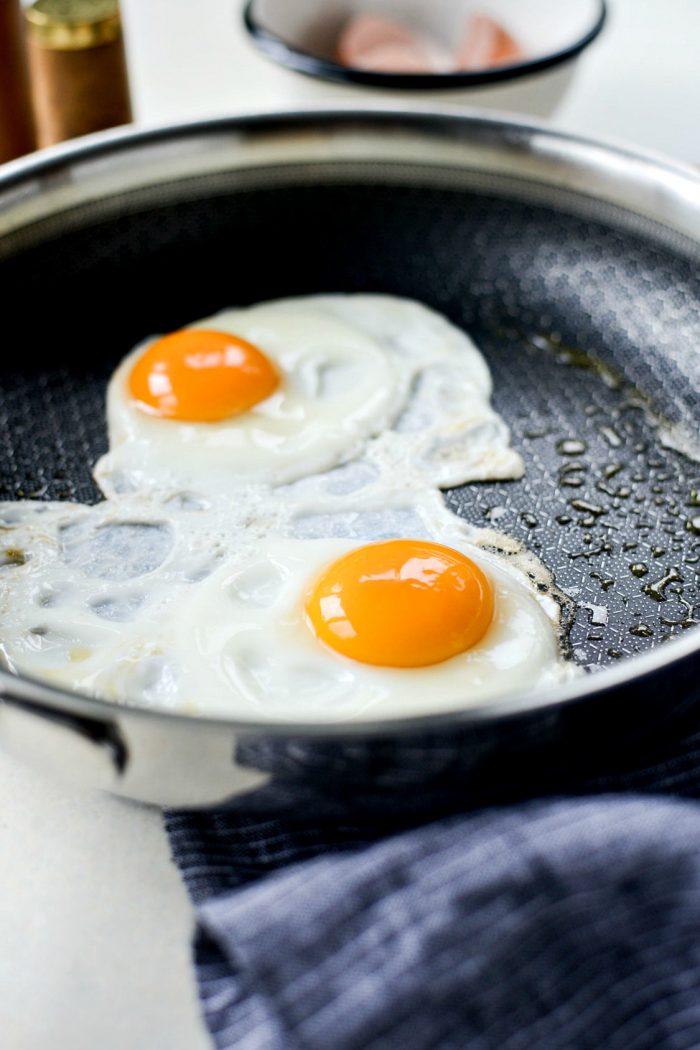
x=177 y=760
x=124 y=161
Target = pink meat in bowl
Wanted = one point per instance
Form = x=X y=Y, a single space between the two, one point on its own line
x=494 y=53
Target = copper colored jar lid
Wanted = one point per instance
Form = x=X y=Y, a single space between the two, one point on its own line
x=73 y=25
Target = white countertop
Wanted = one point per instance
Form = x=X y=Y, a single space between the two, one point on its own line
x=95 y=922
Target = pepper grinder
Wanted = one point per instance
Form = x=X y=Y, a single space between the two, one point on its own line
x=16 y=122
x=78 y=67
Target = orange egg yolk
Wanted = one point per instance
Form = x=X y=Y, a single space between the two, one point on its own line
x=201 y=376
x=403 y=603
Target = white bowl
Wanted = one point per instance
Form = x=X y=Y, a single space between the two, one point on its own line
x=300 y=36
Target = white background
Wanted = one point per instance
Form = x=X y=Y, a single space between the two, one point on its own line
x=94 y=923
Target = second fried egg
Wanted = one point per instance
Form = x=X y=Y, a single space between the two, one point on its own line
x=181 y=607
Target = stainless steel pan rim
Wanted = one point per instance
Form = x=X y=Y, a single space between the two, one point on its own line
x=658 y=188
x=642 y=182
x=633 y=669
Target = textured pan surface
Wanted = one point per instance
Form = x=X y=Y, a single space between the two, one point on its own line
x=580 y=321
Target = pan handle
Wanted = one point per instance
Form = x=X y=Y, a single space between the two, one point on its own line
x=32 y=730
x=162 y=761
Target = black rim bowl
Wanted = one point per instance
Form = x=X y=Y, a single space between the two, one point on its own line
x=291 y=57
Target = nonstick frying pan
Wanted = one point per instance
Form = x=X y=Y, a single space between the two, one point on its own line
x=575 y=268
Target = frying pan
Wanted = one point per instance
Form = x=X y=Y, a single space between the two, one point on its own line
x=574 y=267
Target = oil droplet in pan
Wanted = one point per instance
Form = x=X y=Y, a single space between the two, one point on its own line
x=684 y=619
x=657 y=590
x=570 y=475
x=584 y=507
x=611 y=436
x=571 y=447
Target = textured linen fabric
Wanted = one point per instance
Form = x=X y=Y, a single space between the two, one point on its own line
x=529 y=922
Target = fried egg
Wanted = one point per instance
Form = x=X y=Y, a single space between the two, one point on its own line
x=273 y=393
x=282 y=639
x=182 y=607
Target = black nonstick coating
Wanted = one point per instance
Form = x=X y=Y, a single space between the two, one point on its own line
x=590 y=332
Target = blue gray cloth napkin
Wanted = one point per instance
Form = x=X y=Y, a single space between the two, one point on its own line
x=566 y=922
